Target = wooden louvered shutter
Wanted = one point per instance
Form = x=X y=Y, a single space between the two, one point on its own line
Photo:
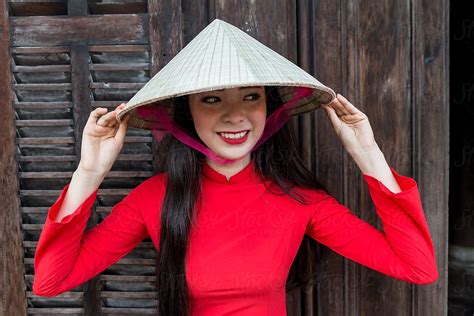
x=66 y=61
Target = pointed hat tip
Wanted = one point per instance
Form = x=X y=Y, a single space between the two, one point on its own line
x=216 y=20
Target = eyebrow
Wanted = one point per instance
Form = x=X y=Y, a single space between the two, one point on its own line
x=242 y=88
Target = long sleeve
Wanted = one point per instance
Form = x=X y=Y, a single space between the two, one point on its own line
x=66 y=256
x=404 y=250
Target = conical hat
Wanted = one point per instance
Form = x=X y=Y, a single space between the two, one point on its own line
x=222 y=56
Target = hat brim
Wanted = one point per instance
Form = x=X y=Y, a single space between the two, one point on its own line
x=318 y=96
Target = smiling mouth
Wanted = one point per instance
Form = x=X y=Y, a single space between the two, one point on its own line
x=238 y=135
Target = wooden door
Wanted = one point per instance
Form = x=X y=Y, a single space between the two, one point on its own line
x=62 y=59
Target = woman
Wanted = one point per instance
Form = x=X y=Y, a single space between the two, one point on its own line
x=235 y=201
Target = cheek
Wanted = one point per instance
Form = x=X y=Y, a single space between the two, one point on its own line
x=202 y=123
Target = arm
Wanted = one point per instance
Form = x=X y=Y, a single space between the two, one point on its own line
x=83 y=184
x=403 y=251
x=67 y=257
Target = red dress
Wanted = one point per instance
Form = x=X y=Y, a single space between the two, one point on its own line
x=244 y=240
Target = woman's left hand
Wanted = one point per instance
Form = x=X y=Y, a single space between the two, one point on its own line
x=351 y=125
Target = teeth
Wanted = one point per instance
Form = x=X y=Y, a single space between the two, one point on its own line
x=233 y=136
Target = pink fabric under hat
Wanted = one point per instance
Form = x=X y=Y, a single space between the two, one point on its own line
x=222 y=56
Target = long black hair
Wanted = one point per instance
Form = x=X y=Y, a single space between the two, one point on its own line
x=277 y=159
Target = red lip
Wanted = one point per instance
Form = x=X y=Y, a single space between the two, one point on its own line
x=235 y=141
x=244 y=130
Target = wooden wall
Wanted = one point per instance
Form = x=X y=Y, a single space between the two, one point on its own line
x=61 y=59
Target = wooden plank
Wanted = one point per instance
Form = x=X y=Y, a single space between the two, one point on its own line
x=56 y=311
x=129 y=311
x=68 y=174
x=119 y=48
x=70 y=140
x=42 y=86
x=76 y=295
x=42 y=105
x=147 y=262
x=42 y=68
x=383 y=76
x=128 y=278
x=57 y=192
x=60 y=122
x=34 y=244
x=166 y=40
x=40 y=50
x=80 y=92
x=117 y=85
x=12 y=283
x=119 y=67
x=327 y=46
x=430 y=57
x=128 y=295
x=300 y=29
x=64 y=30
x=122 y=157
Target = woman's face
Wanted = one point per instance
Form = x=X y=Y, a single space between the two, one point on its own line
x=230 y=121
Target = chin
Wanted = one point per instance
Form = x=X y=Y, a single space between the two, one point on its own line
x=234 y=155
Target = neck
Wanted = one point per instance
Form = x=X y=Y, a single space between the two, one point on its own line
x=231 y=168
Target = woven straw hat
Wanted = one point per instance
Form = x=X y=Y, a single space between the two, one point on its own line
x=222 y=56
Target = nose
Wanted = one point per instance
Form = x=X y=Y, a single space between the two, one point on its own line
x=233 y=113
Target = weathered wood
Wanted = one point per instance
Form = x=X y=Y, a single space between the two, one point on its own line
x=39 y=50
x=128 y=278
x=119 y=48
x=166 y=40
x=56 y=192
x=382 y=76
x=12 y=284
x=121 y=157
x=63 y=30
x=34 y=244
x=430 y=55
x=58 y=174
x=80 y=91
x=43 y=122
x=70 y=140
x=76 y=295
x=56 y=311
x=116 y=85
x=327 y=46
x=129 y=311
x=128 y=294
x=392 y=78
x=121 y=261
x=42 y=105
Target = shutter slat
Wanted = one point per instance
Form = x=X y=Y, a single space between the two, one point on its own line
x=44 y=122
x=57 y=192
x=42 y=105
x=123 y=157
x=46 y=68
x=68 y=174
x=121 y=67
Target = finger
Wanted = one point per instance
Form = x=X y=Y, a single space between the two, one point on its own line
x=108 y=120
x=348 y=105
x=122 y=130
x=333 y=117
x=340 y=109
x=95 y=114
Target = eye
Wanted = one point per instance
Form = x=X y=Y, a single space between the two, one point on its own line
x=210 y=99
x=214 y=99
x=253 y=97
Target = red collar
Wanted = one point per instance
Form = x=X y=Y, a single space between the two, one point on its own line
x=246 y=173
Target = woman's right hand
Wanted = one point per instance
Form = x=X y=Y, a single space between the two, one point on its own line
x=102 y=140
